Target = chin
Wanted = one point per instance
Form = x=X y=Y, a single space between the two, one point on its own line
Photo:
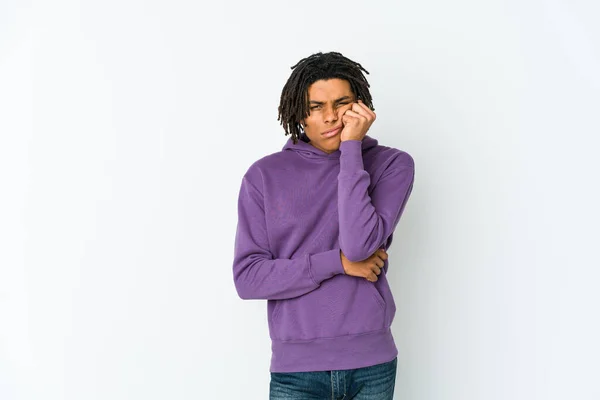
x=334 y=146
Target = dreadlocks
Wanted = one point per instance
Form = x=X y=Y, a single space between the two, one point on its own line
x=294 y=106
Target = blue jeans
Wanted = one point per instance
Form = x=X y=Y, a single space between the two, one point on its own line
x=369 y=383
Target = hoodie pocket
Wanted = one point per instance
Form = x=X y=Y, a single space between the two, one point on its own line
x=374 y=291
x=342 y=305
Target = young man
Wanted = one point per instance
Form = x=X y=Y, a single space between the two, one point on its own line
x=314 y=223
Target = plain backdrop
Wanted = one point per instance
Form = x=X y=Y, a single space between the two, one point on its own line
x=126 y=127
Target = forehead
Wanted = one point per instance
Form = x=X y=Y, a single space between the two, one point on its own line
x=329 y=89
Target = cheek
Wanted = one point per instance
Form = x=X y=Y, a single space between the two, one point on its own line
x=311 y=119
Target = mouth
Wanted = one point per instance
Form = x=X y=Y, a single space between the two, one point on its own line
x=332 y=132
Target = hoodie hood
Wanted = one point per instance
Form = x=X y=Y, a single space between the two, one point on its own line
x=307 y=150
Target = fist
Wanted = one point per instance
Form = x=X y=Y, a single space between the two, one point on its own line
x=357 y=121
x=368 y=269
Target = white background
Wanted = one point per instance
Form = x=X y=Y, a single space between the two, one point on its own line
x=126 y=127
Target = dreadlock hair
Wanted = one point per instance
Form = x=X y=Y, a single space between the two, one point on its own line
x=294 y=102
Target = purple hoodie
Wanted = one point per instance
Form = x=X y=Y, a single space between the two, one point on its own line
x=297 y=209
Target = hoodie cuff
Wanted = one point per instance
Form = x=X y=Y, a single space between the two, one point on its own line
x=325 y=265
x=351 y=156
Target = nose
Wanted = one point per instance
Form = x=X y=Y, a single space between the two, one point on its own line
x=330 y=114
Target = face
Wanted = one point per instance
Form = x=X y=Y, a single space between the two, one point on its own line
x=328 y=101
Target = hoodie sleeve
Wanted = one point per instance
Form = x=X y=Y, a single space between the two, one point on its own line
x=257 y=274
x=366 y=221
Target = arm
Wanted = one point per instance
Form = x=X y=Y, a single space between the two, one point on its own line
x=366 y=221
x=257 y=275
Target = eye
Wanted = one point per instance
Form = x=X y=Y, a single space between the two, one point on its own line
x=315 y=107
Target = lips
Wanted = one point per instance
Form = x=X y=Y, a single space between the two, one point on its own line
x=332 y=132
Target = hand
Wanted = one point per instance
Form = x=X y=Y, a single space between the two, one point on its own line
x=368 y=269
x=357 y=121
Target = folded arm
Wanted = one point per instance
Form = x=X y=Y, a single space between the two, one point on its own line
x=366 y=221
x=257 y=274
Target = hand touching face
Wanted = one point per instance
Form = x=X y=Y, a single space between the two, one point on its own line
x=357 y=121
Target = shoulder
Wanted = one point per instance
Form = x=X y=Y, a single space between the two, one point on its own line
x=257 y=170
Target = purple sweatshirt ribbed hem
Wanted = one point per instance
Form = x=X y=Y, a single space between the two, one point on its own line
x=342 y=352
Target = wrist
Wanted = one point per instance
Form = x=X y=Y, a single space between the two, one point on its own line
x=357 y=138
x=343 y=259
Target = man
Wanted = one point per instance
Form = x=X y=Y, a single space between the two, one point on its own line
x=314 y=223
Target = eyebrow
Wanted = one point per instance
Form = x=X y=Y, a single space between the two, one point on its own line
x=336 y=101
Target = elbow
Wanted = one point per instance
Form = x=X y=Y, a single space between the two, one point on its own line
x=239 y=288
x=240 y=280
x=243 y=295
x=355 y=254
x=244 y=292
x=243 y=286
x=246 y=284
x=358 y=249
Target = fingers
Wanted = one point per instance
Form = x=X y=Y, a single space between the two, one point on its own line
x=381 y=253
x=379 y=262
x=375 y=271
x=356 y=107
x=372 y=277
x=369 y=268
x=366 y=109
x=358 y=112
x=354 y=114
